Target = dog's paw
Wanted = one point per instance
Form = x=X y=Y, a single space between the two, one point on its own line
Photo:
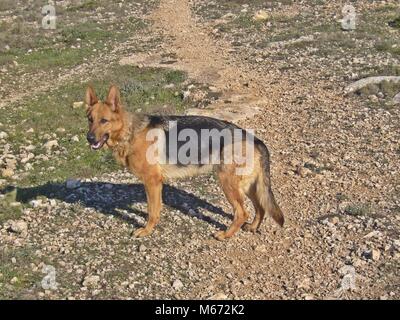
x=249 y=228
x=220 y=235
x=141 y=232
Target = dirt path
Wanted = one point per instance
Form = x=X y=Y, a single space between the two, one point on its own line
x=196 y=51
x=205 y=62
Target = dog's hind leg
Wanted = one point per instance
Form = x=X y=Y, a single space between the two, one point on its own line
x=231 y=187
x=259 y=211
x=153 y=187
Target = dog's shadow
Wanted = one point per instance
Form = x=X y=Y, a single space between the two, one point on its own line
x=118 y=200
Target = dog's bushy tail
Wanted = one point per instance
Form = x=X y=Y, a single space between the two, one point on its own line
x=265 y=195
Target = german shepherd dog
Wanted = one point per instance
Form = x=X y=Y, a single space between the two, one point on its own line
x=126 y=134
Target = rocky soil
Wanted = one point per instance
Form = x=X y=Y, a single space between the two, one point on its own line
x=335 y=169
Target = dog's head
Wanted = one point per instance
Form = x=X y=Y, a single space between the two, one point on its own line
x=105 y=118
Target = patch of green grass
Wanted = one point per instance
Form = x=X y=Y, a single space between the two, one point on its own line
x=8 y=213
x=175 y=76
x=136 y=23
x=246 y=21
x=386 y=8
x=358 y=209
x=7 y=5
x=52 y=48
x=388 y=46
x=91 y=37
x=53 y=58
x=87 y=5
x=88 y=31
x=6 y=58
x=389 y=70
x=4 y=26
x=17 y=280
x=317 y=169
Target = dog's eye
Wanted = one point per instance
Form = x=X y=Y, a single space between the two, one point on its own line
x=103 y=121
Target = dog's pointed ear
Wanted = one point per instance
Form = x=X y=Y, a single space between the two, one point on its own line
x=90 y=97
x=114 y=99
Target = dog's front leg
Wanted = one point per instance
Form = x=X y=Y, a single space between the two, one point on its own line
x=153 y=187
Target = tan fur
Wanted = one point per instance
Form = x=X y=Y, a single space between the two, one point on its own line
x=170 y=171
x=127 y=139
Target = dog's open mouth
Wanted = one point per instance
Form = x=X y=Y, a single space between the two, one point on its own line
x=100 y=143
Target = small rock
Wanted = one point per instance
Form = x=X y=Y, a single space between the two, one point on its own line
x=396 y=99
x=14 y=280
x=334 y=220
x=375 y=254
x=142 y=248
x=261 y=15
x=11 y=164
x=303 y=172
x=49 y=145
x=7 y=173
x=19 y=227
x=28 y=157
x=373 y=98
x=177 y=284
x=91 y=281
x=3 y=135
x=373 y=234
x=31 y=147
x=15 y=204
x=36 y=203
x=77 y=105
x=260 y=248
x=75 y=139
